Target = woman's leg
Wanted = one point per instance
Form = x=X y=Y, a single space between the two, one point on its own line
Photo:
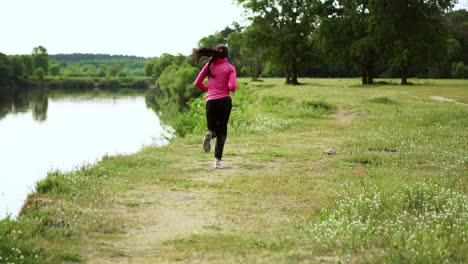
x=223 y=112
x=211 y=117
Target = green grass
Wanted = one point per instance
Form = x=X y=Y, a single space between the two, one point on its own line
x=395 y=193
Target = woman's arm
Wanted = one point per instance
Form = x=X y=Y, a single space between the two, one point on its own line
x=201 y=76
x=232 y=79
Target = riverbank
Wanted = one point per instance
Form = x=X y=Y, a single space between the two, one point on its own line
x=82 y=84
x=394 y=192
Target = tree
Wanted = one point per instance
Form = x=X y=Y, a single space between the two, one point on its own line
x=459 y=70
x=28 y=65
x=283 y=28
x=5 y=70
x=39 y=74
x=176 y=83
x=114 y=70
x=166 y=60
x=457 y=25
x=102 y=71
x=17 y=65
x=417 y=32
x=250 y=56
x=219 y=37
x=89 y=70
x=40 y=59
x=54 y=70
x=224 y=36
x=149 y=68
x=348 y=33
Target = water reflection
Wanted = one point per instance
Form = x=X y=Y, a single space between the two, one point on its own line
x=39 y=134
x=21 y=102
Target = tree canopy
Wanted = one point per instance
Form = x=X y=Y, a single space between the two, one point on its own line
x=284 y=29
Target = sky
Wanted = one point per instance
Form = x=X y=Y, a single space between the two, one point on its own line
x=145 y=28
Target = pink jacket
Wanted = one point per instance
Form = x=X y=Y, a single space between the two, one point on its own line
x=222 y=84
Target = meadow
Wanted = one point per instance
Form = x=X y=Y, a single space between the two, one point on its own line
x=392 y=191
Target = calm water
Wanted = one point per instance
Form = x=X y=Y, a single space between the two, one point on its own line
x=40 y=134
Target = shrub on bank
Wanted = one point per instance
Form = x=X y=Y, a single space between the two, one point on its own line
x=75 y=84
x=112 y=84
x=140 y=84
x=109 y=84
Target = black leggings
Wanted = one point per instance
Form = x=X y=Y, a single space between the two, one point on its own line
x=217 y=117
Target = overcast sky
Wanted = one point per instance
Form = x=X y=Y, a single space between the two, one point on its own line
x=131 y=27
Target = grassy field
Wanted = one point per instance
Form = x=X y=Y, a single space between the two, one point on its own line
x=395 y=192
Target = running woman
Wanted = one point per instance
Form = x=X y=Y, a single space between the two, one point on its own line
x=221 y=81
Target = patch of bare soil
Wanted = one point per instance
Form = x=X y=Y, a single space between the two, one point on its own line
x=161 y=215
x=443 y=99
x=343 y=115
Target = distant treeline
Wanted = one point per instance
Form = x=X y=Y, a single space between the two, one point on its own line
x=39 y=70
x=78 y=57
x=84 y=64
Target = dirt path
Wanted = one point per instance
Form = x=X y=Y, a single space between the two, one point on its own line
x=162 y=215
x=343 y=115
x=443 y=99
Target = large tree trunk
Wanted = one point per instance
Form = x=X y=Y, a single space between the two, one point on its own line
x=294 y=74
x=256 y=70
x=288 y=76
x=370 y=75
x=364 y=77
x=367 y=74
x=404 y=74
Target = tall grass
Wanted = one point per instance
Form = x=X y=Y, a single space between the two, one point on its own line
x=251 y=115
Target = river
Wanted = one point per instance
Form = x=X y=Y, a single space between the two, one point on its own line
x=40 y=134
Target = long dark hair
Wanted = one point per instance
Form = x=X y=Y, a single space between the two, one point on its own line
x=221 y=52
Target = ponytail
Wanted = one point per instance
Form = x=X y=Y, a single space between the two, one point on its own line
x=221 y=51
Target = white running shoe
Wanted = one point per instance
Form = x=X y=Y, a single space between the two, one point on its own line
x=207 y=141
x=217 y=164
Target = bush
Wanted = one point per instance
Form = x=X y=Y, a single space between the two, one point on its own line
x=78 y=84
x=176 y=82
x=126 y=81
x=459 y=70
x=192 y=120
x=318 y=104
x=49 y=184
x=55 y=84
x=140 y=84
x=109 y=83
x=54 y=70
x=382 y=100
x=39 y=74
